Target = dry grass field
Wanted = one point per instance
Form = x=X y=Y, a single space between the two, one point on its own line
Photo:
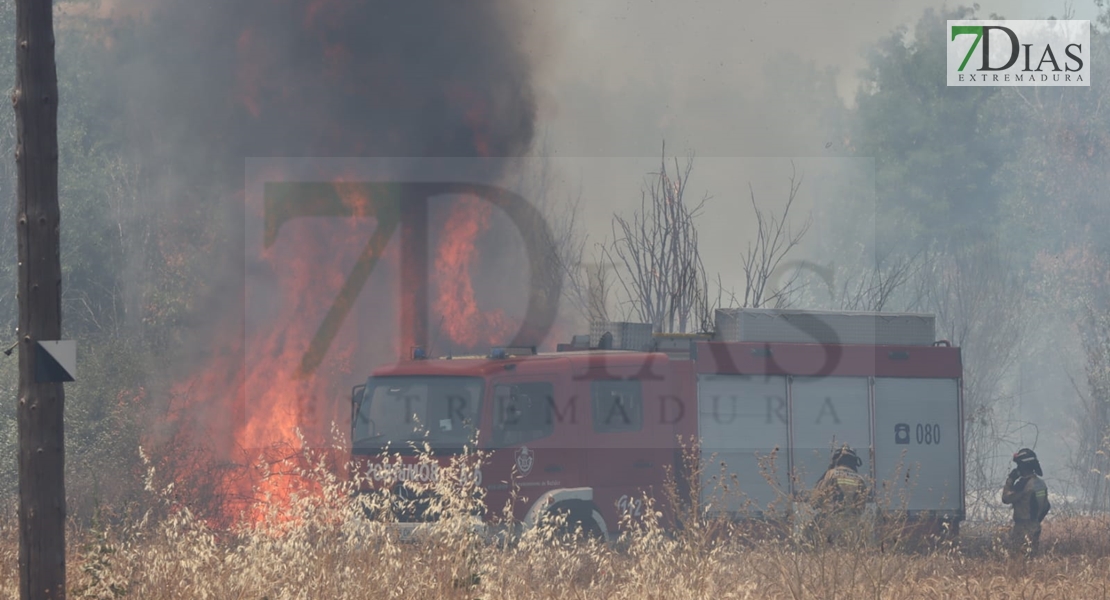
x=322 y=547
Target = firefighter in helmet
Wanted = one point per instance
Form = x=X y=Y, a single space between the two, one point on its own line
x=1028 y=494
x=841 y=495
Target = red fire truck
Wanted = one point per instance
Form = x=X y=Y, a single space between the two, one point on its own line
x=593 y=427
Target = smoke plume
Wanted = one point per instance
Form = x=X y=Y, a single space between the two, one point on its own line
x=258 y=78
x=204 y=85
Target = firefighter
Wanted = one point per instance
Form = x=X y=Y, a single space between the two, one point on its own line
x=840 y=496
x=1028 y=494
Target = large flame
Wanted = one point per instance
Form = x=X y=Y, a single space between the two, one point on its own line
x=463 y=322
x=251 y=392
x=245 y=404
x=251 y=401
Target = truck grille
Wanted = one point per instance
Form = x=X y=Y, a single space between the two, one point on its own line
x=410 y=506
x=401 y=505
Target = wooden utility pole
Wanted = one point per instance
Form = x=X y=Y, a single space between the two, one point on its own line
x=42 y=508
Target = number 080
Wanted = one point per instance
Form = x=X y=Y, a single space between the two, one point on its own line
x=928 y=434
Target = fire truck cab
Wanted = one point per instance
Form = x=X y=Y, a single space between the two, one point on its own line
x=596 y=425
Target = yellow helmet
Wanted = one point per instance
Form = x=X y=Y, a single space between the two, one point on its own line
x=847 y=457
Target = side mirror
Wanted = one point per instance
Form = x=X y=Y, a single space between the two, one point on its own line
x=357 y=394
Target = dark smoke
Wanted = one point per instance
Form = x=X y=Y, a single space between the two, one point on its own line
x=206 y=84
x=203 y=85
x=221 y=81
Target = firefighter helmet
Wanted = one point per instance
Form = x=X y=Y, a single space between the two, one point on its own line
x=1027 y=458
x=847 y=457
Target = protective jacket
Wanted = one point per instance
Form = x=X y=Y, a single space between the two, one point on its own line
x=1029 y=496
x=841 y=490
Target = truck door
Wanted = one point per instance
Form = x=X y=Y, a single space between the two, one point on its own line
x=827 y=412
x=532 y=436
x=624 y=451
x=917 y=430
x=742 y=421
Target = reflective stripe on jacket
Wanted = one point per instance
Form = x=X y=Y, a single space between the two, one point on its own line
x=1029 y=497
x=841 y=489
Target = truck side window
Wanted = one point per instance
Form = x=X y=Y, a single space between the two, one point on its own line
x=617 y=406
x=523 y=412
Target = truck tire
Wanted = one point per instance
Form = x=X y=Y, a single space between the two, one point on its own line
x=580 y=522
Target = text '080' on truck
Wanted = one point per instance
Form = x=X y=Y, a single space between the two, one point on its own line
x=595 y=426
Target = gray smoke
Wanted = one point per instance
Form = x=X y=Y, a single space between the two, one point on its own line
x=206 y=84
x=259 y=78
x=203 y=85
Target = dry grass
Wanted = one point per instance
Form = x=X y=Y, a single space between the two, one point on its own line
x=323 y=547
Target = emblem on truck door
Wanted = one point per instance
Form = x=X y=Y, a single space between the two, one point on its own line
x=524 y=460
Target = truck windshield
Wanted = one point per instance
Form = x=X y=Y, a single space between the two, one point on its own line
x=397 y=411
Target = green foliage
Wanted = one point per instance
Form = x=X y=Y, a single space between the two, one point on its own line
x=937 y=148
x=1020 y=170
x=103 y=407
x=1057 y=176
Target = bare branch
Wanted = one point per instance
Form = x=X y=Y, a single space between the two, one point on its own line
x=763 y=259
x=877 y=287
x=656 y=252
x=975 y=297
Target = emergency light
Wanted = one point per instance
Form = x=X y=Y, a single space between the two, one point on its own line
x=418 y=353
x=500 y=352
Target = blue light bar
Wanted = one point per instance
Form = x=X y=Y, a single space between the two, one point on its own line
x=498 y=353
x=418 y=353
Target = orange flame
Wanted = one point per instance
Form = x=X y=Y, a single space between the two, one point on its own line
x=250 y=391
x=463 y=322
x=247 y=402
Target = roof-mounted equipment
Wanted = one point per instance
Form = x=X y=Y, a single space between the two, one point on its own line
x=503 y=352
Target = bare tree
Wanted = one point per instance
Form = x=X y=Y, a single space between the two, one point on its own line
x=762 y=262
x=1061 y=176
x=659 y=265
x=1090 y=462
x=133 y=227
x=979 y=306
x=878 y=286
x=599 y=289
x=558 y=204
x=585 y=281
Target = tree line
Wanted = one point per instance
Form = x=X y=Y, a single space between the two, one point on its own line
x=988 y=211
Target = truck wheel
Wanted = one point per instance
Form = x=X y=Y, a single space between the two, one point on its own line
x=580 y=523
